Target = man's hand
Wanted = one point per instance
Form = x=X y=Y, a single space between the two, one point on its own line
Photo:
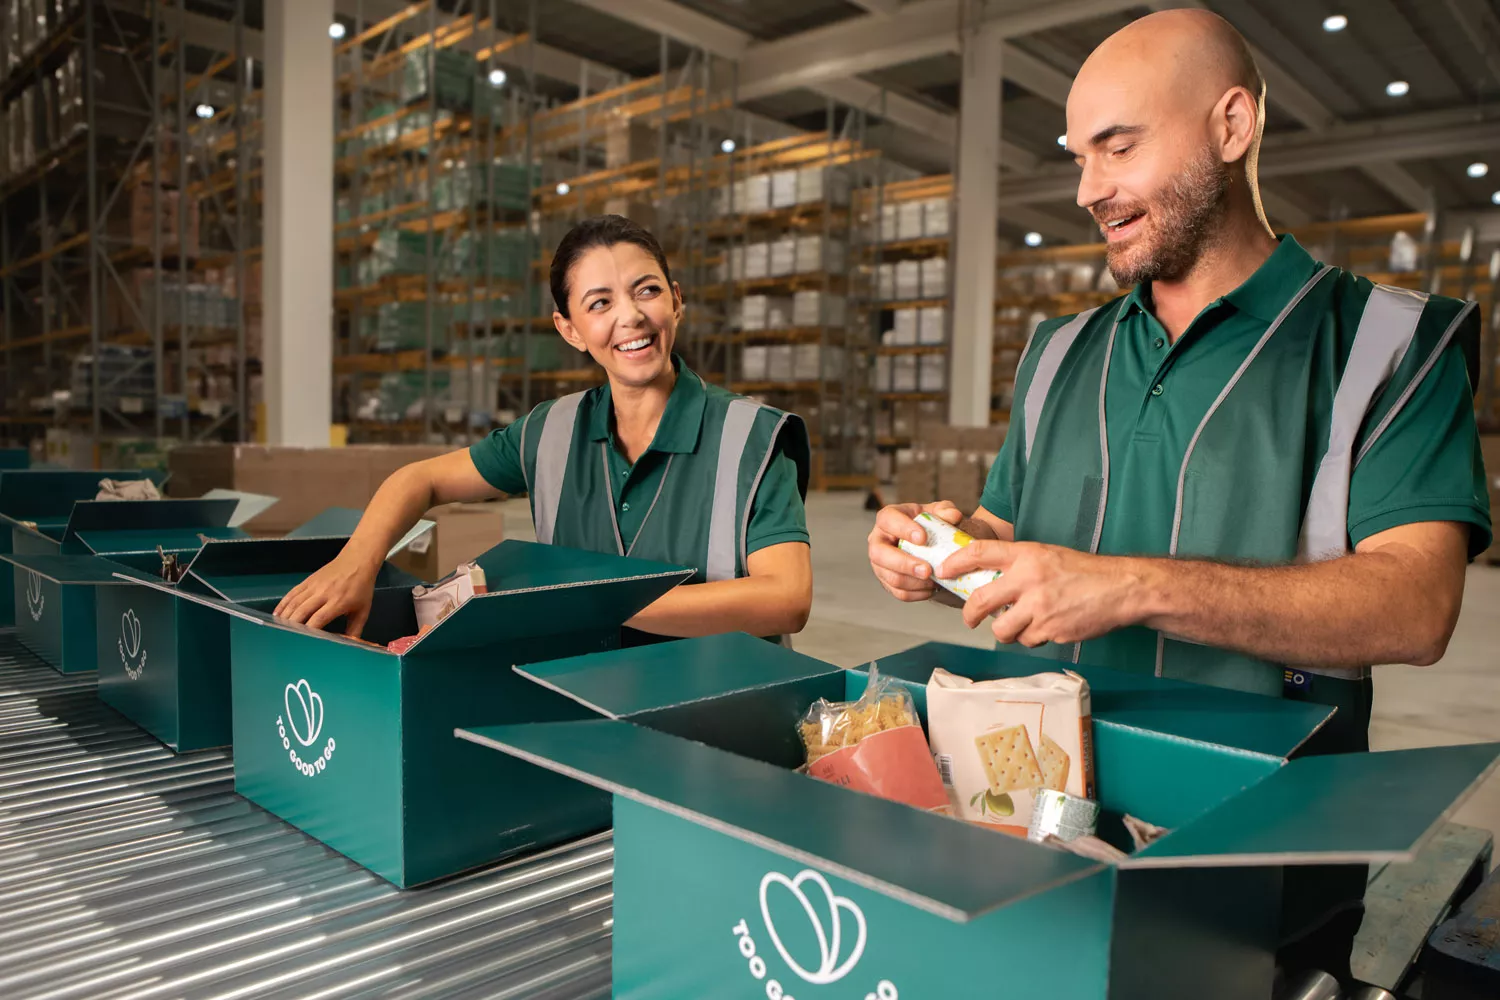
x=904 y=576
x=1054 y=594
x=345 y=586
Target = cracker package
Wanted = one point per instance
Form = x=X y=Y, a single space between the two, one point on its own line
x=874 y=745
x=998 y=743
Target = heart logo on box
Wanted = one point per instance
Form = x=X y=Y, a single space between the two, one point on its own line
x=35 y=599
x=824 y=911
x=308 y=719
x=130 y=633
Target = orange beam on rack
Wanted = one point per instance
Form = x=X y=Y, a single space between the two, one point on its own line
x=381 y=27
x=36 y=258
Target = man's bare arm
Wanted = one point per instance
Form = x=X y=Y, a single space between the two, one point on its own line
x=1394 y=600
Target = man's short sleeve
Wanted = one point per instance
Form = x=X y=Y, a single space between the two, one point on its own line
x=497 y=456
x=1426 y=464
x=777 y=513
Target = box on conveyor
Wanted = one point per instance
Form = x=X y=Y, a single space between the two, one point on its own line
x=163 y=648
x=735 y=875
x=353 y=743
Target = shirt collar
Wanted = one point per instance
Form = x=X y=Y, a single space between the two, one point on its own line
x=677 y=432
x=1264 y=293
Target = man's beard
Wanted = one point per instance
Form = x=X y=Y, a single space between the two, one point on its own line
x=1180 y=223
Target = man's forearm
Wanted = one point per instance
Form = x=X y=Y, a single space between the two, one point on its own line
x=1361 y=609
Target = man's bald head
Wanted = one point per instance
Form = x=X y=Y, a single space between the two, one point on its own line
x=1165 y=117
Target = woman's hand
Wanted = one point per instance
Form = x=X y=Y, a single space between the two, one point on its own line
x=345 y=586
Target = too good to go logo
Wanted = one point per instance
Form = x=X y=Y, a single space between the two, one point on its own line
x=304 y=722
x=35 y=599
x=132 y=656
x=838 y=934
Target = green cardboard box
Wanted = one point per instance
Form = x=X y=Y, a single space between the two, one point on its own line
x=56 y=578
x=354 y=744
x=737 y=877
x=163 y=649
x=44 y=497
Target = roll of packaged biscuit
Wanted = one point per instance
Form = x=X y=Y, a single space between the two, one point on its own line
x=943 y=540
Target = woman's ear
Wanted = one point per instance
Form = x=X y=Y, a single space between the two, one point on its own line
x=677 y=302
x=571 y=335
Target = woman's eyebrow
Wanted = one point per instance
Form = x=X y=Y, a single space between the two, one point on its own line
x=648 y=276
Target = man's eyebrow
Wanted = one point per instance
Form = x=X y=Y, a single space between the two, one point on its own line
x=1104 y=135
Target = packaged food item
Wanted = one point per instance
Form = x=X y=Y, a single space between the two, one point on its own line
x=1000 y=743
x=943 y=539
x=874 y=745
x=127 y=489
x=441 y=599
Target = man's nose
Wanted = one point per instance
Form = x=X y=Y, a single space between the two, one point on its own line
x=1093 y=187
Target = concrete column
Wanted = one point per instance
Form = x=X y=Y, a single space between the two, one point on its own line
x=973 y=250
x=298 y=257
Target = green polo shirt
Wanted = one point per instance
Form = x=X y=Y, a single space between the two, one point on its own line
x=777 y=514
x=1425 y=467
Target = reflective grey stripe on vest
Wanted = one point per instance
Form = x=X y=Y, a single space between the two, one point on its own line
x=723 y=546
x=1385 y=333
x=1046 y=370
x=552 y=463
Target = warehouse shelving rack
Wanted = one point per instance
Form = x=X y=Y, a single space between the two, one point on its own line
x=111 y=85
x=403 y=141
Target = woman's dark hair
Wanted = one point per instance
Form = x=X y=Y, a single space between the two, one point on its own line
x=599 y=231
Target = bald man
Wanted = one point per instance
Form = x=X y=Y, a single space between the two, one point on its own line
x=1250 y=461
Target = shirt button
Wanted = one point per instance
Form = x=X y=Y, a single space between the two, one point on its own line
x=626 y=504
x=1158 y=343
x=1156 y=390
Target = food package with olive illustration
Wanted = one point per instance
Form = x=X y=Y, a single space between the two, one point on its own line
x=998 y=742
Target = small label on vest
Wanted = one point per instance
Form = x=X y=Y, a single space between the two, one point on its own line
x=1297 y=680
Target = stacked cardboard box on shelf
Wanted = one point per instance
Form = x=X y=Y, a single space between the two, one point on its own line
x=947 y=463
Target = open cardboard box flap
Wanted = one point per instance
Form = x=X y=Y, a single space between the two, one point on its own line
x=66 y=568
x=1344 y=808
x=1318 y=810
x=118 y=527
x=545 y=589
x=951 y=869
x=340 y=522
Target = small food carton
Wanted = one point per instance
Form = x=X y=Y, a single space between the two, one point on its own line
x=164 y=656
x=56 y=578
x=738 y=877
x=44 y=498
x=354 y=744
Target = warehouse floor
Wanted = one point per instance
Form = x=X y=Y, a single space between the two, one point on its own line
x=853 y=622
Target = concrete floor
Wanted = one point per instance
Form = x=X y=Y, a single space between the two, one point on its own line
x=854 y=621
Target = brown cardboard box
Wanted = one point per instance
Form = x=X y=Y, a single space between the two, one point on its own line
x=960 y=480
x=982 y=439
x=916 y=476
x=463 y=531
x=306 y=481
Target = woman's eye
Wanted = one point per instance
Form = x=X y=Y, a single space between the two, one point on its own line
x=650 y=291
x=594 y=305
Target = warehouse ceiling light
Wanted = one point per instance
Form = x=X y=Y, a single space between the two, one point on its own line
x=727 y=145
x=1033 y=239
x=1335 y=22
x=562 y=187
x=1398 y=88
x=497 y=77
x=336 y=30
x=205 y=111
x=1062 y=141
x=1477 y=170
x=1495 y=198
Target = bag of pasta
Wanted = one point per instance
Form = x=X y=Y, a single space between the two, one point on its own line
x=874 y=745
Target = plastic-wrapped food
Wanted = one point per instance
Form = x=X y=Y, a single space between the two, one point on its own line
x=874 y=745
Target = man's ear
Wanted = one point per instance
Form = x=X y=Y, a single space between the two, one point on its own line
x=1236 y=118
x=571 y=335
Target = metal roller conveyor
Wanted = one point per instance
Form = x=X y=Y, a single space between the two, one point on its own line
x=130 y=871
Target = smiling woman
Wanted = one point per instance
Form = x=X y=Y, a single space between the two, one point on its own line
x=655 y=463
